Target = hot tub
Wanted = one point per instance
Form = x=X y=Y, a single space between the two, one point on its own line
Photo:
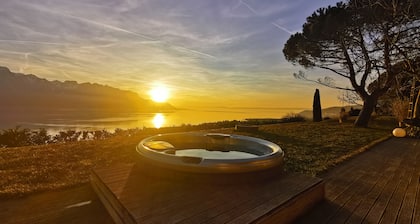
x=211 y=153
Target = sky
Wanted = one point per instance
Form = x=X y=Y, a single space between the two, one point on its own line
x=209 y=53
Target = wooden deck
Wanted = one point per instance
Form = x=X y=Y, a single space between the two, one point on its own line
x=77 y=205
x=381 y=185
x=131 y=196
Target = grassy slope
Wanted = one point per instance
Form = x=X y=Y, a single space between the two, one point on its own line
x=310 y=148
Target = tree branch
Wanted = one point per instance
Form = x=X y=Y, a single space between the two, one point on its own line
x=327 y=81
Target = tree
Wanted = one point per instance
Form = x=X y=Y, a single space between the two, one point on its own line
x=402 y=88
x=316 y=107
x=359 y=40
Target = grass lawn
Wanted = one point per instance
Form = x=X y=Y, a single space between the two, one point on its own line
x=310 y=148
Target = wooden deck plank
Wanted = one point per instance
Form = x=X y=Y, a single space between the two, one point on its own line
x=198 y=201
x=370 y=198
x=215 y=209
x=199 y=205
x=342 y=210
x=148 y=199
x=340 y=195
x=241 y=196
x=393 y=197
x=346 y=200
x=336 y=180
x=118 y=213
x=375 y=215
x=355 y=198
x=408 y=203
x=180 y=197
x=261 y=203
x=394 y=208
x=295 y=206
x=200 y=208
x=262 y=195
x=229 y=213
x=75 y=205
x=416 y=178
x=416 y=209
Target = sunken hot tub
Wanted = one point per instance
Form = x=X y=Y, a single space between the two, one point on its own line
x=211 y=153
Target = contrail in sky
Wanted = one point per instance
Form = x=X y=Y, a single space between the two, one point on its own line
x=32 y=42
x=281 y=27
x=249 y=7
x=256 y=13
x=115 y=28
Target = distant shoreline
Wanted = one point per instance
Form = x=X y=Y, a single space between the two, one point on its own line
x=74 y=119
x=331 y=112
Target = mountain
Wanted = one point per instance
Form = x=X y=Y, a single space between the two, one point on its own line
x=21 y=92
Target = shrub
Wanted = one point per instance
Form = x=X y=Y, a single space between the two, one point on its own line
x=292 y=117
x=400 y=109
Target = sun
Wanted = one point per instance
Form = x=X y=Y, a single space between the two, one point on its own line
x=159 y=93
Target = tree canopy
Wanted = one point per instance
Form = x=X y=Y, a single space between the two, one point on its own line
x=360 y=40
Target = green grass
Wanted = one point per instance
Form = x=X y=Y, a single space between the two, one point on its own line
x=310 y=148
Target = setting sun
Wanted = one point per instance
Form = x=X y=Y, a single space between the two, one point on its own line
x=159 y=93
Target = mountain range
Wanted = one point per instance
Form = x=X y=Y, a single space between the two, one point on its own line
x=23 y=92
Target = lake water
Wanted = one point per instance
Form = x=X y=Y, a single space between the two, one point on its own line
x=92 y=121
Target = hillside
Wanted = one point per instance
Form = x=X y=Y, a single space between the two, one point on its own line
x=332 y=112
x=30 y=93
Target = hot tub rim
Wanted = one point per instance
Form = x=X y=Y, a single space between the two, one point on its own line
x=272 y=160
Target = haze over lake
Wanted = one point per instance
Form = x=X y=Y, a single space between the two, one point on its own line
x=66 y=120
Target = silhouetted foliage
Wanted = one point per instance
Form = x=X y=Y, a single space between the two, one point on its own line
x=402 y=89
x=40 y=137
x=349 y=98
x=22 y=137
x=292 y=117
x=354 y=112
x=15 y=137
x=359 y=40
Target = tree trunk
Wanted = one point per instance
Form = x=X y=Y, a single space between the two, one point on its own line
x=369 y=105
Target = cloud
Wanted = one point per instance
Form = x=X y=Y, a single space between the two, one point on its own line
x=109 y=27
x=257 y=13
x=194 y=46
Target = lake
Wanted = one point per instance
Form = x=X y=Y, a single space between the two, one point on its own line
x=66 y=120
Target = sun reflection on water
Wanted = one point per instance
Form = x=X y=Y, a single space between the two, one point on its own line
x=158 y=120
